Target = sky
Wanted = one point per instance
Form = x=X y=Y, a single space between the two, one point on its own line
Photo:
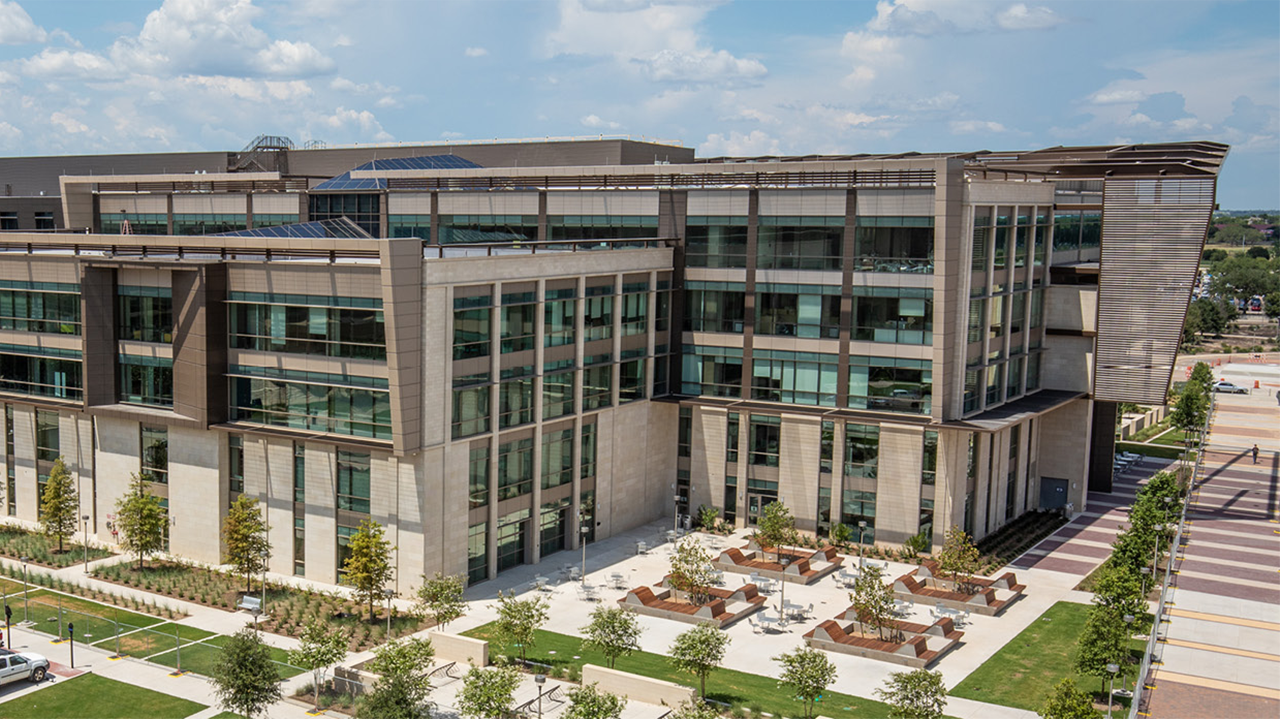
x=740 y=77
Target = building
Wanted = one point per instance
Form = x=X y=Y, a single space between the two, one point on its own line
x=507 y=347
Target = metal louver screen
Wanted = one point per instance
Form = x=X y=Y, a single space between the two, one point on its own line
x=1152 y=235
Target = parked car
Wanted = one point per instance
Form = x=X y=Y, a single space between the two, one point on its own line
x=1223 y=386
x=15 y=666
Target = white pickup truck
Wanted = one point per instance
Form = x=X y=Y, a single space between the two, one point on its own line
x=15 y=666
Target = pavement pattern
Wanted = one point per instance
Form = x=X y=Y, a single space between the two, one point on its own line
x=1220 y=650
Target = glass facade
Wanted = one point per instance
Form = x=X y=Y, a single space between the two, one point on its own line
x=515 y=468
x=714 y=307
x=478 y=477
x=600 y=227
x=361 y=208
x=146 y=380
x=766 y=438
x=235 y=463
x=861 y=450
x=716 y=242
x=713 y=371
x=48 y=436
x=794 y=377
x=207 y=223
x=799 y=243
x=358 y=406
x=353 y=481
x=557 y=458
x=155 y=454
x=807 y=311
x=144 y=313
x=890 y=384
x=25 y=371
x=331 y=331
x=893 y=315
x=456 y=229
x=894 y=244
x=40 y=307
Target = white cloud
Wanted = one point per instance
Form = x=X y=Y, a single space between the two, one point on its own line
x=248 y=88
x=969 y=127
x=290 y=59
x=450 y=135
x=68 y=123
x=16 y=26
x=701 y=67
x=342 y=41
x=754 y=143
x=51 y=64
x=869 y=51
x=1115 y=97
x=10 y=136
x=841 y=118
x=362 y=120
x=759 y=116
x=342 y=84
x=899 y=18
x=1020 y=17
x=474 y=52
x=594 y=121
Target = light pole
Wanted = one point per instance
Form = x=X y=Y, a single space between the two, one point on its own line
x=388 y=593
x=85 y=518
x=1124 y=682
x=862 y=527
x=266 y=556
x=1112 y=669
x=675 y=524
x=1146 y=572
x=25 y=601
x=540 y=679
x=782 y=611
x=582 y=540
x=1158 y=529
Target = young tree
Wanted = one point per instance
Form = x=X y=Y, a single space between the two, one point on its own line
x=244 y=533
x=1271 y=305
x=699 y=651
x=368 y=567
x=402 y=687
x=915 y=694
x=1105 y=640
x=589 y=701
x=1202 y=375
x=1190 y=411
x=59 y=506
x=518 y=620
x=775 y=528
x=1068 y=702
x=808 y=672
x=614 y=631
x=872 y=600
x=1118 y=588
x=691 y=570
x=841 y=534
x=488 y=693
x=694 y=709
x=141 y=520
x=244 y=678
x=959 y=557
x=441 y=598
x=322 y=645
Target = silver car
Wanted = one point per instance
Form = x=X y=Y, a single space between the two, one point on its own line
x=15 y=666
x=1223 y=386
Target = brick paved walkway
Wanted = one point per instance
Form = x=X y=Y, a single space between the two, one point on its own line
x=1221 y=645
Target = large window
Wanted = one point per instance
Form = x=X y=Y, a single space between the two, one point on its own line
x=598 y=314
x=155 y=454
x=363 y=209
x=207 y=223
x=344 y=405
x=929 y=461
x=235 y=462
x=478 y=477
x=34 y=311
x=299 y=472
x=515 y=400
x=858 y=512
x=23 y=371
x=145 y=313
x=511 y=538
x=557 y=394
x=515 y=468
x=731 y=438
x=794 y=377
x=714 y=307
x=631 y=384
x=597 y=387
x=861 y=450
x=470 y=327
x=890 y=384
x=353 y=481
x=799 y=243
x=714 y=371
x=485 y=228
x=718 y=242
x=684 y=433
x=477 y=553
x=601 y=227
x=635 y=309
x=470 y=405
x=557 y=458
x=516 y=321
x=587 y=466
x=48 y=435
x=826 y=450
x=807 y=311
x=894 y=244
x=893 y=315
x=351 y=332
x=765 y=437
x=559 y=318
x=137 y=223
x=146 y=380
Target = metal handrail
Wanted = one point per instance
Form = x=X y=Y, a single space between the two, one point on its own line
x=1153 y=638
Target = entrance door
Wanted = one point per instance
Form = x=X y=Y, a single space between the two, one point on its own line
x=1053 y=493
x=754 y=504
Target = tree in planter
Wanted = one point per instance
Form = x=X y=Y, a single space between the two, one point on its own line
x=1119 y=589
x=915 y=694
x=519 y=620
x=699 y=651
x=841 y=534
x=614 y=631
x=488 y=693
x=959 y=557
x=244 y=678
x=322 y=646
x=707 y=516
x=872 y=600
x=368 y=567
x=1105 y=640
x=141 y=520
x=59 y=506
x=403 y=686
x=589 y=701
x=808 y=672
x=441 y=598
x=244 y=533
x=775 y=528
x=1068 y=702
x=691 y=570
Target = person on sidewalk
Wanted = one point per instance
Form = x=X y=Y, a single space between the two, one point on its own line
x=1255 y=453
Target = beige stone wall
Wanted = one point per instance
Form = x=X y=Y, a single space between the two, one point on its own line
x=707 y=457
x=116 y=461
x=799 y=460
x=952 y=479
x=197 y=493
x=24 y=452
x=1067 y=363
x=1062 y=453
x=321 y=517
x=637 y=687
x=898 y=482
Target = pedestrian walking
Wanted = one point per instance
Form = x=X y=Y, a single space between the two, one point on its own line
x=1255 y=453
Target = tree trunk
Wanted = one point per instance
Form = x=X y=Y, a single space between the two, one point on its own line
x=704 y=688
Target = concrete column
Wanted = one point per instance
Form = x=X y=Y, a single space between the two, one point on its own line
x=898 y=482
x=799 y=460
x=197 y=493
x=322 y=514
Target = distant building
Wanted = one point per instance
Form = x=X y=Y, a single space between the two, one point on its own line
x=492 y=348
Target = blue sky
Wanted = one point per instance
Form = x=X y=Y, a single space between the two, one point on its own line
x=742 y=77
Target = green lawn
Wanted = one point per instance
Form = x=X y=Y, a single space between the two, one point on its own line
x=93 y=620
x=93 y=696
x=227 y=715
x=1160 y=451
x=200 y=657
x=1175 y=438
x=1025 y=670
x=729 y=686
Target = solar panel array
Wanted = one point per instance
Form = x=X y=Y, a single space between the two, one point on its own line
x=420 y=162
x=334 y=228
x=346 y=182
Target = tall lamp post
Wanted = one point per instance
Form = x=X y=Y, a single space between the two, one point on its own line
x=582 y=540
x=85 y=525
x=862 y=528
x=540 y=679
x=388 y=593
x=266 y=556
x=782 y=610
x=1112 y=669
x=25 y=598
x=1158 y=529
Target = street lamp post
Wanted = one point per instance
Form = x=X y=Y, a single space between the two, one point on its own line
x=862 y=527
x=25 y=598
x=1155 y=554
x=388 y=593
x=1124 y=681
x=266 y=555
x=582 y=540
x=1146 y=572
x=85 y=518
x=540 y=679
x=1112 y=669
x=782 y=611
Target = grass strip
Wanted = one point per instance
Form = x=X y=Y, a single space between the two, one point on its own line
x=94 y=696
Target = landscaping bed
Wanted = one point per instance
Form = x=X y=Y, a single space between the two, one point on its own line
x=746 y=693
x=287 y=609
x=1009 y=542
x=39 y=549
